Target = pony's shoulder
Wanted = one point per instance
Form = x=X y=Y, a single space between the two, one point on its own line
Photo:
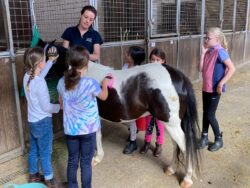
x=150 y=67
x=99 y=66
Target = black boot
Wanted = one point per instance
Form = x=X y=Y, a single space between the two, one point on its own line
x=203 y=141
x=132 y=146
x=145 y=148
x=218 y=143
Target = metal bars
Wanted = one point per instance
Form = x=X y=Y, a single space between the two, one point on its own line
x=20 y=23
x=121 y=20
x=53 y=17
x=163 y=18
x=241 y=12
x=190 y=17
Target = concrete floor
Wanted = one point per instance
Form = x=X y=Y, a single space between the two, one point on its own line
x=226 y=168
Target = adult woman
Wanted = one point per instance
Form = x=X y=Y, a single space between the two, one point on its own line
x=84 y=34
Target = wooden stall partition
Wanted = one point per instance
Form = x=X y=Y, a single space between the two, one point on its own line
x=114 y=56
x=169 y=47
x=9 y=132
x=247 y=50
x=229 y=38
x=237 y=53
x=23 y=105
x=189 y=57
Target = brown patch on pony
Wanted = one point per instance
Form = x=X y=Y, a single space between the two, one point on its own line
x=140 y=97
x=112 y=108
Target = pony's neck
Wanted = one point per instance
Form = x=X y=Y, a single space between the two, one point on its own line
x=97 y=71
x=83 y=70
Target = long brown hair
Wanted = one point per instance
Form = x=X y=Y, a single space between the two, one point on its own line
x=77 y=58
x=32 y=58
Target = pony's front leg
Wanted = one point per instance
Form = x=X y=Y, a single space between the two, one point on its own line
x=99 y=150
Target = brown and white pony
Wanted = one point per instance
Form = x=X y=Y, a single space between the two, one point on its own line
x=162 y=91
x=153 y=89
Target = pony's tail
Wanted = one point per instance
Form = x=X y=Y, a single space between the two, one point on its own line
x=190 y=126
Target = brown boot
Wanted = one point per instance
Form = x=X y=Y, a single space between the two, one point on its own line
x=51 y=183
x=157 y=150
x=37 y=177
x=145 y=148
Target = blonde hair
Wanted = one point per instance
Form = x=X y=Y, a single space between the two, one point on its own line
x=218 y=33
x=32 y=58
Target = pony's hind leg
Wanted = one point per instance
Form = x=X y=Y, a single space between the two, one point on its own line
x=178 y=139
x=175 y=131
x=187 y=180
x=99 y=150
x=171 y=169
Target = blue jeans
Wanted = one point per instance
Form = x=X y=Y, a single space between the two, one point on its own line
x=81 y=147
x=41 y=137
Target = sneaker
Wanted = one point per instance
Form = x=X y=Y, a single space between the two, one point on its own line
x=37 y=177
x=51 y=183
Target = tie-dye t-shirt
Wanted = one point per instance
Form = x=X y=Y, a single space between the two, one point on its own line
x=80 y=111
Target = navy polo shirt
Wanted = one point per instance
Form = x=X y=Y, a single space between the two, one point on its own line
x=91 y=37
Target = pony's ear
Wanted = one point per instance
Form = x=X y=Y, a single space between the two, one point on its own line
x=52 y=42
x=41 y=43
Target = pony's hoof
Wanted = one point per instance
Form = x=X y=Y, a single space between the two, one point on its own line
x=186 y=183
x=95 y=161
x=169 y=171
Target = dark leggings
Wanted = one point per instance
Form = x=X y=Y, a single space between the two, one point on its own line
x=210 y=104
x=151 y=125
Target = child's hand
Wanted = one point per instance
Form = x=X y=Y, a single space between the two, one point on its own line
x=52 y=54
x=105 y=82
x=219 y=88
x=204 y=49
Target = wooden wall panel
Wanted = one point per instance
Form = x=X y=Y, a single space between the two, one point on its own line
x=237 y=54
x=247 y=50
x=170 y=49
x=9 y=133
x=189 y=57
x=114 y=56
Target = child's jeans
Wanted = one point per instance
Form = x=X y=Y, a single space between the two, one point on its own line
x=159 y=130
x=41 y=137
x=81 y=147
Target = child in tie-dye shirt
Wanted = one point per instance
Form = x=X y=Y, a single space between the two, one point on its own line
x=80 y=114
